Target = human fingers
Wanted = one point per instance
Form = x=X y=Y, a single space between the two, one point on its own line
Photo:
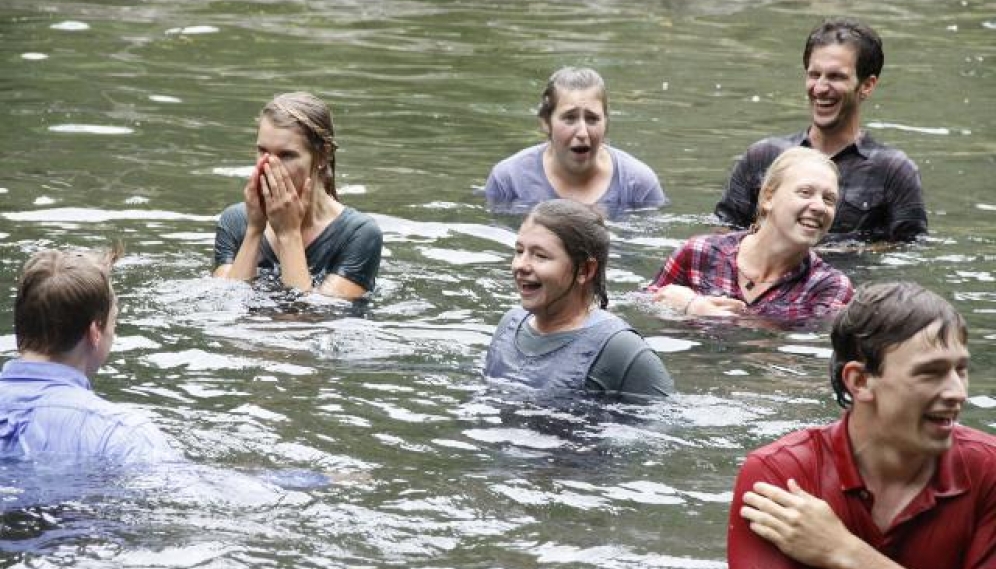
x=258 y=177
x=776 y=494
x=730 y=303
x=272 y=189
x=794 y=488
x=765 y=524
x=283 y=184
x=306 y=191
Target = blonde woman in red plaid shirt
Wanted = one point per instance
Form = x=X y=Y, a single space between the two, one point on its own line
x=771 y=269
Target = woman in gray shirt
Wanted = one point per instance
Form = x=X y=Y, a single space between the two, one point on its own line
x=575 y=162
x=291 y=220
x=561 y=337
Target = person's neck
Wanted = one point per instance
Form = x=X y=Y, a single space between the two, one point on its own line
x=585 y=186
x=323 y=210
x=568 y=318
x=883 y=467
x=76 y=358
x=832 y=141
x=764 y=259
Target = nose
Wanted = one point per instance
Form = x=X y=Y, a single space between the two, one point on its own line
x=582 y=130
x=818 y=204
x=519 y=262
x=955 y=387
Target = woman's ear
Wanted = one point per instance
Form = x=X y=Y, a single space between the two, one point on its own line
x=587 y=270
x=856 y=378
x=767 y=197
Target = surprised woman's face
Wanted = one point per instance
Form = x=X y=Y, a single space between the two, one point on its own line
x=291 y=147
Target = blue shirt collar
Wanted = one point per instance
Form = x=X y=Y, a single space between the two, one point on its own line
x=21 y=370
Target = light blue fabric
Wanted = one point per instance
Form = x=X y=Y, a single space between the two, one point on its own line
x=49 y=409
x=519 y=182
x=563 y=368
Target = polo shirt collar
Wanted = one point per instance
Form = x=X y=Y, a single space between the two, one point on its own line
x=950 y=478
x=21 y=370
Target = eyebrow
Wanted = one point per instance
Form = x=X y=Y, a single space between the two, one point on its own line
x=939 y=363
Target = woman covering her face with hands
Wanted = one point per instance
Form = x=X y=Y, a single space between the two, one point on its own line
x=561 y=338
x=290 y=219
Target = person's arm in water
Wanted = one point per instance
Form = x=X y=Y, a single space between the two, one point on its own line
x=686 y=301
x=907 y=211
x=672 y=287
x=738 y=203
x=341 y=287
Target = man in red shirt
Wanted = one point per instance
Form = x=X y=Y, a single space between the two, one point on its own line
x=896 y=482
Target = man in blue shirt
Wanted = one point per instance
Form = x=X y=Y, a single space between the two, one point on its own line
x=64 y=320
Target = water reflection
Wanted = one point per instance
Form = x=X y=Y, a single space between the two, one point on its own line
x=430 y=465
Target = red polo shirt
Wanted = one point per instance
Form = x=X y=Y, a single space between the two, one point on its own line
x=951 y=524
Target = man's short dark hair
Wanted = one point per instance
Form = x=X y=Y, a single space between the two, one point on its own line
x=59 y=295
x=848 y=31
x=881 y=316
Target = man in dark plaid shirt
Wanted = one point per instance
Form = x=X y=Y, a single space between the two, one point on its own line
x=881 y=197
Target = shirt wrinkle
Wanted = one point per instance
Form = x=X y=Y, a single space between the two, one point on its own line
x=707 y=264
x=47 y=407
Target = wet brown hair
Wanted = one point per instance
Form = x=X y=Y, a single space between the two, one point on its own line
x=59 y=295
x=570 y=79
x=581 y=229
x=881 y=316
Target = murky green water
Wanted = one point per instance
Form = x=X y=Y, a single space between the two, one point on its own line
x=434 y=468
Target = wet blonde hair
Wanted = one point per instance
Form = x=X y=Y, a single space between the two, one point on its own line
x=775 y=175
x=313 y=118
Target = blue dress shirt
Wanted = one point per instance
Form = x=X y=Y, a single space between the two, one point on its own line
x=50 y=409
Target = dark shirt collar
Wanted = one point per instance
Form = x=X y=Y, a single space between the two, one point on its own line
x=863 y=146
x=21 y=370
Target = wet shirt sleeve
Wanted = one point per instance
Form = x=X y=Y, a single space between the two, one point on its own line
x=677 y=268
x=138 y=443
x=738 y=204
x=908 y=213
x=642 y=187
x=359 y=261
x=228 y=234
x=746 y=549
x=498 y=188
x=628 y=366
x=739 y=201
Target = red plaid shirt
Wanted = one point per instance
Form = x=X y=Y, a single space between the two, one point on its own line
x=708 y=265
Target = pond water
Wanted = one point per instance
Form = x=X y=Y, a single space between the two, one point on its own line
x=136 y=122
